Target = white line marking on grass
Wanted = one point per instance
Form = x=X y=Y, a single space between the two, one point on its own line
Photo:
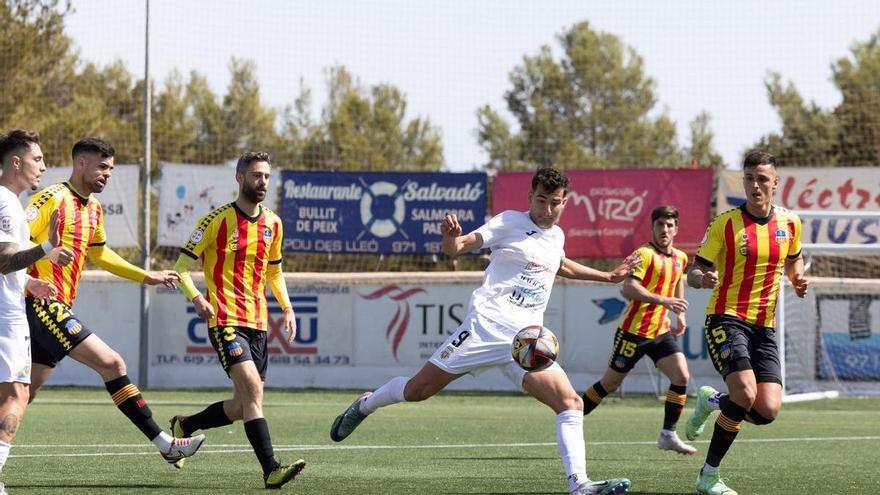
x=238 y=448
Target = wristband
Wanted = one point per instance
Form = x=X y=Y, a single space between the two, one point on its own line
x=47 y=246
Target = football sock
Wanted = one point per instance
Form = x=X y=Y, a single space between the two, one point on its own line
x=4 y=453
x=257 y=431
x=163 y=441
x=128 y=399
x=212 y=416
x=675 y=399
x=570 y=441
x=390 y=393
x=726 y=428
x=593 y=397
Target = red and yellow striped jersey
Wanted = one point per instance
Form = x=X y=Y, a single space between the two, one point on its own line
x=659 y=273
x=749 y=253
x=81 y=223
x=236 y=250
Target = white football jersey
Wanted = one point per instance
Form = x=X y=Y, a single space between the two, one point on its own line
x=521 y=271
x=13 y=229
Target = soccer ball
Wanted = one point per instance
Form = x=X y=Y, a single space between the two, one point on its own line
x=535 y=348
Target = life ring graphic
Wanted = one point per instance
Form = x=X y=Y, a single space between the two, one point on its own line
x=382 y=227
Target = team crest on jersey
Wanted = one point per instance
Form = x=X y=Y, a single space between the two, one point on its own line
x=6 y=224
x=30 y=213
x=781 y=236
x=744 y=244
x=233 y=241
x=235 y=349
x=267 y=234
x=197 y=236
x=72 y=326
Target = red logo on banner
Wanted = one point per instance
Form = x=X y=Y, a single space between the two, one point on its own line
x=608 y=213
x=400 y=321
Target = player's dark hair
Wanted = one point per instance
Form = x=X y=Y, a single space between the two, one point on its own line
x=17 y=140
x=665 y=211
x=550 y=179
x=93 y=145
x=250 y=157
x=757 y=157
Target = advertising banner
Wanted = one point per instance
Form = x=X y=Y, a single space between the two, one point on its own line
x=189 y=191
x=608 y=213
x=376 y=213
x=819 y=189
x=119 y=200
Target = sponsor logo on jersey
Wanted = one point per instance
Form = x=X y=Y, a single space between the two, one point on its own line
x=6 y=224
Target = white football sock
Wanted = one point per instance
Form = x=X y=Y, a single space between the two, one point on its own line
x=4 y=453
x=163 y=441
x=390 y=393
x=709 y=469
x=570 y=441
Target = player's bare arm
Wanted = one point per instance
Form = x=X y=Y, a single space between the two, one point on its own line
x=794 y=270
x=290 y=324
x=702 y=276
x=454 y=243
x=633 y=289
x=574 y=270
x=681 y=324
x=12 y=260
x=168 y=278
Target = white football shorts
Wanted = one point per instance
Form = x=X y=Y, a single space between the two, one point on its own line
x=15 y=352
x=479 y=344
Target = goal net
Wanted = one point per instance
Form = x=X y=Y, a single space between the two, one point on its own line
x=830 y=340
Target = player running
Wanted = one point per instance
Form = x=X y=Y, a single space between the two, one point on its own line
x=55 y=331
x=742 y=258
x=240 y=248
x=23 y=166
x=527 y=255
x=655 y=288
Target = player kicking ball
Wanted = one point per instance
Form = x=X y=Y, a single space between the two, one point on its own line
x=527 y=254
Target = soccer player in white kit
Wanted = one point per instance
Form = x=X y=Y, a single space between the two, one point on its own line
x=22 y=168
x=527 y=254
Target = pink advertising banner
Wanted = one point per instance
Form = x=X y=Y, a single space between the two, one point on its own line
x=608 y=214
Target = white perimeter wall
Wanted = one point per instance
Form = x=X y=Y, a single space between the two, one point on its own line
x=357 y=331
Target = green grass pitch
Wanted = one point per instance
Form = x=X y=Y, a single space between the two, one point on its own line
x=74 y=441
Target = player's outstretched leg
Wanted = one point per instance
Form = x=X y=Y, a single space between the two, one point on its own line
x=710 y=483
x=391 y=392
x=697 y=422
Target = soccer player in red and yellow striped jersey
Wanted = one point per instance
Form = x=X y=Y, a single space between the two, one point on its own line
x=654 y=288
x=55 y=330
x=239 y=245
x=742 y=257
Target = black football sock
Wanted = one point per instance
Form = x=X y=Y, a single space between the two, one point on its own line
x=675 y=399
x=257 y=431
x=128 y=399
x=593 y=397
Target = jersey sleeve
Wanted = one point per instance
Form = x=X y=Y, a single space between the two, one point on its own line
x=7 y=223
x=99 y=238
x=277 y=243
x=38 y=214
x=710 y=247
x=492 y=230
x=642 y=268
x=202 y=236
x=794 y=248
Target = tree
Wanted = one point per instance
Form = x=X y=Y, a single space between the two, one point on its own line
x=588 y=109
x=848 y=135
x=360 y=129
x=702 y=151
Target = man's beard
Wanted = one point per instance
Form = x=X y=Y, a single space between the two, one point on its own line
x=252 y=194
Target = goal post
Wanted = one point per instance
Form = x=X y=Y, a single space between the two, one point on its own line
x=829 y=341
